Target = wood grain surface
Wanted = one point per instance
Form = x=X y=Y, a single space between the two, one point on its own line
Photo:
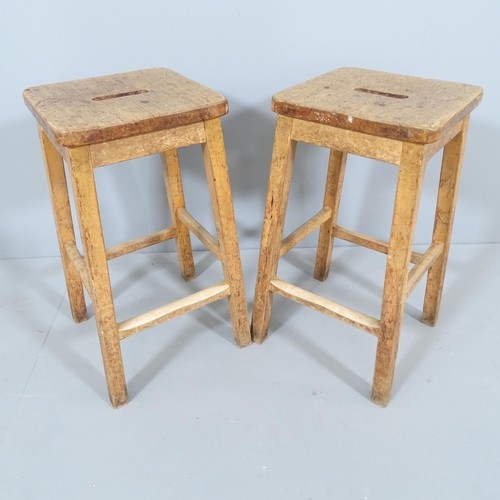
x=395 y=106
x=112 y=107
x=59 y=196
x=214 y=158
x=87 y=209
x=274 y=220
x=449 y=182
x=404 y=221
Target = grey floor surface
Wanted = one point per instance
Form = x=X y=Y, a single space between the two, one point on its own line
x=289 y=419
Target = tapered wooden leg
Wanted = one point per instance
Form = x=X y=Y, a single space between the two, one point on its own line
x=411 y=175
x=333 y=190
x=274 y=219
x=175 y=194
x=95 y=257
x=58 y=188
x=214 y=156
x=451 y=168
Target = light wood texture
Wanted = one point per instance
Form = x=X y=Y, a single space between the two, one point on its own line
x=79 y=265
x=393 y=118
x=106 y=153
x=370 y=146
x=410 y=181
x=433 y=148
x=274 y=220
x=58 y=189
x=97 y=264
x=113 y=107
x=399 y=107
x=214 y=156
x=368 y=242
x=333 y=190
x=304 y=230
x=175 y=195
x=199 y=231
x=445 y=211
x=422 y=266
x=62 y=150
x=318 y=303
x=140 y=243
x=152 y=318
x=99 y=121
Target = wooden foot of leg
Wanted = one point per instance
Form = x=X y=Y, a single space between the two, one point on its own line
x=411 y=175
x=274 y=219
x=97 y=264
x=214 y=156
x=333 y=190
x=58 y=188
x=175 y=194
x=447 y=199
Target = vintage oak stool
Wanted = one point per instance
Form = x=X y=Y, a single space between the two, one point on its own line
x=99 y=121
x=396 y=119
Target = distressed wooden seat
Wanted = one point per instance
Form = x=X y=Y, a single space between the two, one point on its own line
x=397 y=119
x=99 y=121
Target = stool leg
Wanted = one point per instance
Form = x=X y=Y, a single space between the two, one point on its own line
x=95 y=256
x=411 y=176
x=451 y=168
x=274 y=220
x=175 y=195
x=58 y=188
x=333 y=190
x=214 y=157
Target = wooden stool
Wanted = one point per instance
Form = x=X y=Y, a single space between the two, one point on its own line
x=396 y=119
x=99 y=121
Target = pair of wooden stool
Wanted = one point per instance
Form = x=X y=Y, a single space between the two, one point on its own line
x=397 y=119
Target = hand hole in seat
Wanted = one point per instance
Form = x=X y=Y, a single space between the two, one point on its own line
x=385 y=94
x=121 y=94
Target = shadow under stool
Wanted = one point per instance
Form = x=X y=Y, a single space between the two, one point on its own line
x=95 y=122
x=397 y=119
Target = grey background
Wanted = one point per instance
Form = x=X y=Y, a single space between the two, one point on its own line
x=247 y=51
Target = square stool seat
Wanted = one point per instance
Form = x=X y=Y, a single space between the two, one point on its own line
x=107 y=108
x=400 y=107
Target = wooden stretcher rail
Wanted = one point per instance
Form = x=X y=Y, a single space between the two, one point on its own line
x=79 y=264
x=368 y=242
x=139 y=243
x=326 y=306
x=199 y=231
x=155 y=317
x=422 y=266
x=305 y=230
